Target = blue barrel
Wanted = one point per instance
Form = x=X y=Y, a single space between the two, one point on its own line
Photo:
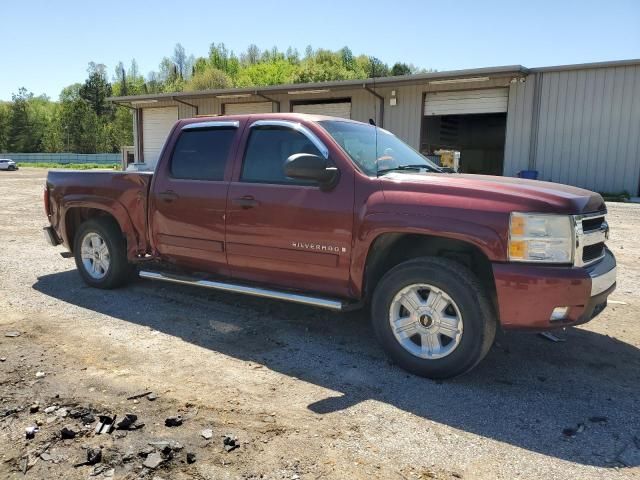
x=530 y=174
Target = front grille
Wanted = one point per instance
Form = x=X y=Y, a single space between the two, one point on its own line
x=590 y=224
x=591 y=232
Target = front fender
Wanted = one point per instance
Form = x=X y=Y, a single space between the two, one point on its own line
x=486 y=239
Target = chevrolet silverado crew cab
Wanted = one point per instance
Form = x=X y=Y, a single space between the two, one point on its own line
x=339 y=214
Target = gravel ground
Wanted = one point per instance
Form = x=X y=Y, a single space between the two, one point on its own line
x=307 y=393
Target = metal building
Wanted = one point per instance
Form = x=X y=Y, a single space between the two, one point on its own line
x=575 y=124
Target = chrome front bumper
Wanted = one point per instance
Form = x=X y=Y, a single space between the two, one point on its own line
x=603 y=274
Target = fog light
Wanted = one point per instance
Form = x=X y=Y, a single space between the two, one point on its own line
x=559 y=313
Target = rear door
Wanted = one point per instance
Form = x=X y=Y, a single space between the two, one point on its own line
x=189 y=194
x=282 y=231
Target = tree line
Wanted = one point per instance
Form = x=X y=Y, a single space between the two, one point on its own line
x=82 y=121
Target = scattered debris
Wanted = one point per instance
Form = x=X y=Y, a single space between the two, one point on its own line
x=598 y=419
x=152 y=396
x=551 y=337
x=127 y=422
x=105 y=424
x=153 y=461
x=62 y=412
x=167 y=446
x=207 y=434
x=67 y=433
x=94 y=455
x=34 y=408
x=12 y=334
x=47 y=457
x=175 y=421
x=139 y=395
x=572 y=432
x=87 y=419
x=616 y=302
x=50 y=409
x=191 y=457
x=40 y=374
x=30 y=432
x=146 y=451
x=230 y=443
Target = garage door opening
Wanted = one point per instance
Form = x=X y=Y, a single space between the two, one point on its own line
x=469 y=127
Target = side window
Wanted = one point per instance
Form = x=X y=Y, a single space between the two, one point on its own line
x=268 y=149
x=201 y=154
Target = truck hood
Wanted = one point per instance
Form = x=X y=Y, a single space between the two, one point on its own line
x=492 y=193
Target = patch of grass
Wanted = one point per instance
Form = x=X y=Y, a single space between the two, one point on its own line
x=616 y=196
x=74 y=166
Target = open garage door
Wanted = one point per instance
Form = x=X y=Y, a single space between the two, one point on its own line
x=156 y=125
x=491 y=100
x=247 y=108
x=340 y=109
x=465 y=130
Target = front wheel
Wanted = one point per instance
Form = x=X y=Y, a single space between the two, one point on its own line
x=100 y=253
x=433 y=318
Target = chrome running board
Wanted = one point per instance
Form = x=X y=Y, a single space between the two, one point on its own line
x=331 y=304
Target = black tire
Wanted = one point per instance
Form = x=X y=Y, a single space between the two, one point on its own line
x=463 y=287
x=119 y=269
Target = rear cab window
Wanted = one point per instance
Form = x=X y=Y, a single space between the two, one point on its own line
x=202 y=153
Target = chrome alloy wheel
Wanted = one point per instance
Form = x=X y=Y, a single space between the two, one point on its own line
x=95 y=255
x=425 y=321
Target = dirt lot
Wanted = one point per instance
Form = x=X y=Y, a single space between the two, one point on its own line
x=307 y=393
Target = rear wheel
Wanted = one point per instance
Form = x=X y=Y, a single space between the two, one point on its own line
x=100 y=253
x=433 y=318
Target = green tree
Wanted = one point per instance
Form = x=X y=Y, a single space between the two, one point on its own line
x=5 y=114
x=210 y=78
x=96 y=89
x=400 y=68
x=262 y=74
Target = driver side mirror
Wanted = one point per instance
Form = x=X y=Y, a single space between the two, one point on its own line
x=309 y=167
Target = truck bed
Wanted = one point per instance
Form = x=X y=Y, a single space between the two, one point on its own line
x=121 y=194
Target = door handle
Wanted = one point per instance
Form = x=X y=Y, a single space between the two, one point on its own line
x=168 y=196
x=245 y=202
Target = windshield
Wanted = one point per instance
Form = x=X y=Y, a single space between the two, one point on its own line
x=374 y=150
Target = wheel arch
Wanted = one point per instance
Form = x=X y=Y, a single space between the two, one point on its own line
x=77 y=213
x=392 y=248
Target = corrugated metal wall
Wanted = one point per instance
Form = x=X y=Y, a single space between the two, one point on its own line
x=519 y=120
x=588 y=128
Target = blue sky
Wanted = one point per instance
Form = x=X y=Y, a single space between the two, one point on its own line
x=47 y=45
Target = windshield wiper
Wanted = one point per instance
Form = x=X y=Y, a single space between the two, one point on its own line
x=407 y=167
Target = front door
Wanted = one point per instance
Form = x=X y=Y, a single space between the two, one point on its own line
x=282 y=231
x=189 y=195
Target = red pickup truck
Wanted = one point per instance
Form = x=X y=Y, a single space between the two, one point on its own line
x=341 y=215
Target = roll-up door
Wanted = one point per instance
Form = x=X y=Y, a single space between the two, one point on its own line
x=156 y=125
x=491 y=100
x=332 y=109
x=247 y=108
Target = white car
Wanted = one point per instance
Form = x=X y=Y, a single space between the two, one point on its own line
x=8 y=164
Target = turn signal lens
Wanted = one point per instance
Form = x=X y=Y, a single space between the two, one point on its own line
x=517 y=249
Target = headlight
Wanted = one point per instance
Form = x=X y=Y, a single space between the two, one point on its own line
x=540 y=238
